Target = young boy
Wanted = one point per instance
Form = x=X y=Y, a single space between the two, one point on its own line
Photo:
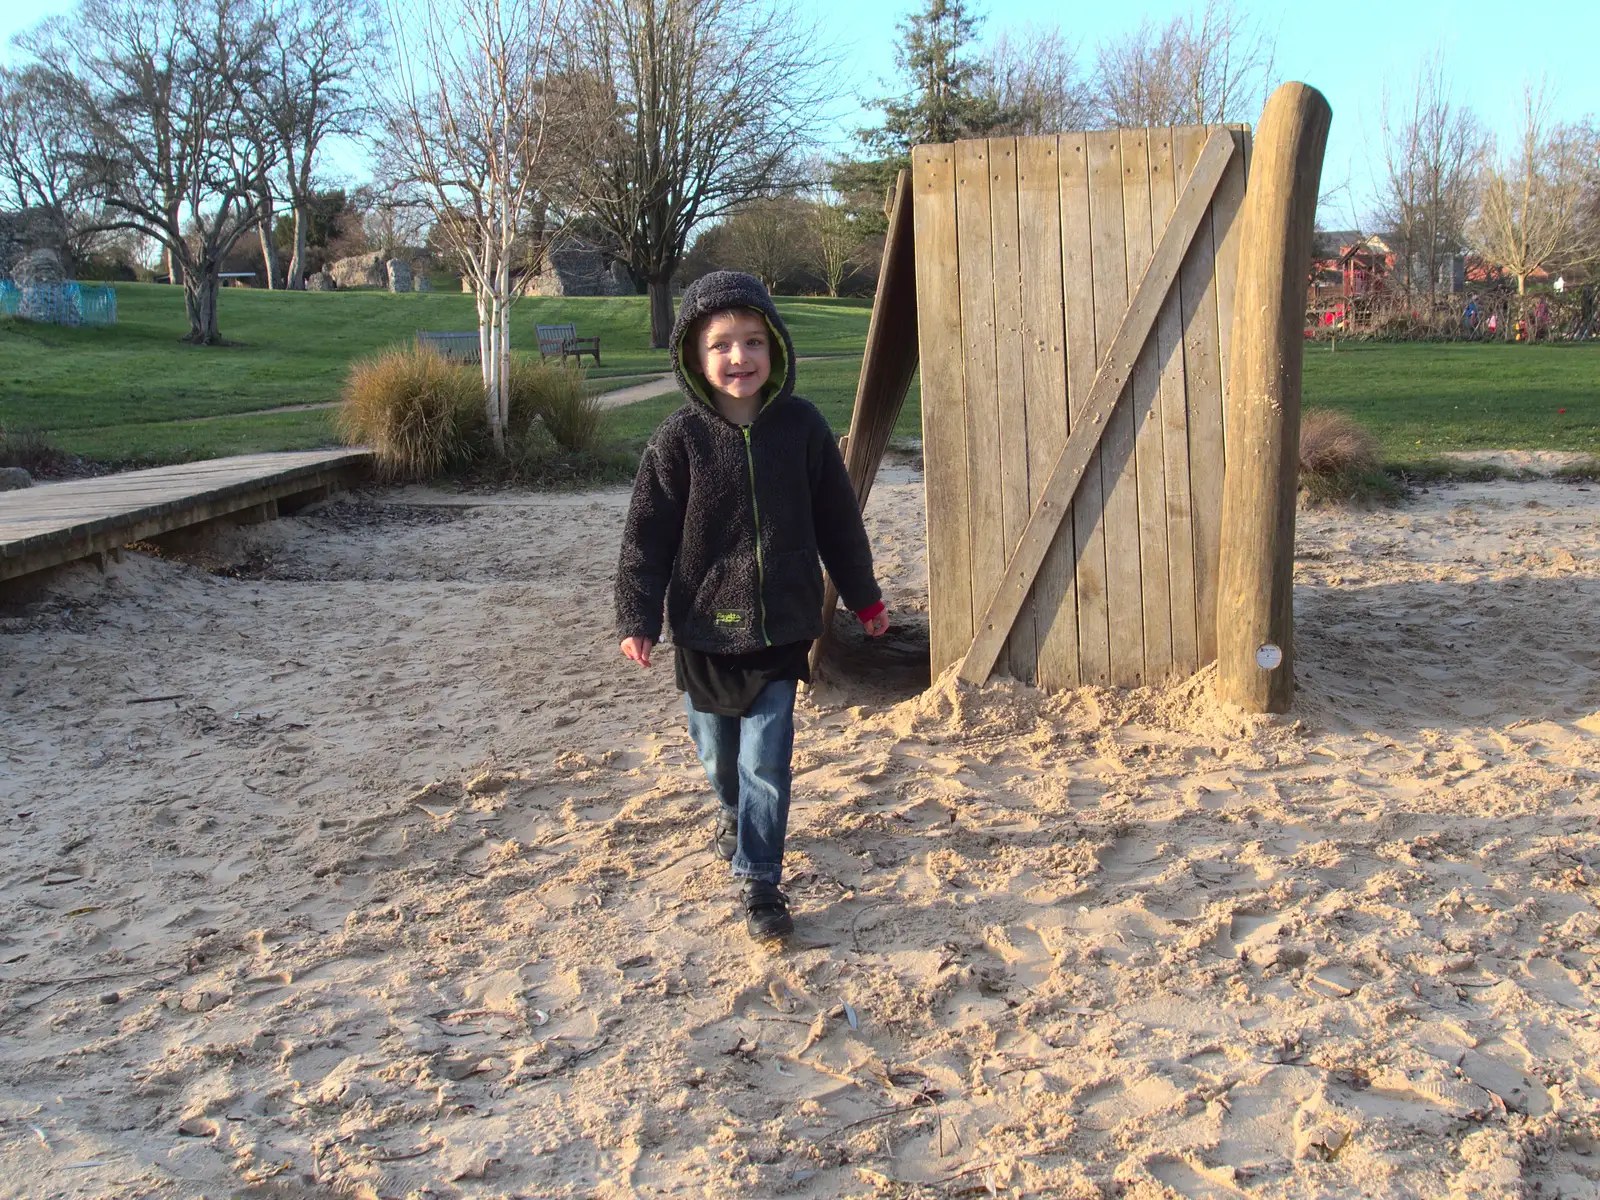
x=738 y=493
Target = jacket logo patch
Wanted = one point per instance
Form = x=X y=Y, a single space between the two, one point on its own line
x=724 y=617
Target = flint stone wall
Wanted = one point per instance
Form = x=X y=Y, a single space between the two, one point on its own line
x=360 y=271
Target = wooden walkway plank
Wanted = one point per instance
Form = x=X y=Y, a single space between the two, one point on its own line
x=1174 y=418
x=1118 y=470
x=1077 y=281
x=1202 y=349
x=54 y=523
x=1044 y=371
x=1143 y=172
x=1103 y=402
x=975 y=253
x=1015 y=501
x=944 y=437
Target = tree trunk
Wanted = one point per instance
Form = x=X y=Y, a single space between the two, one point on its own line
x=1522 y=285
x=503 y=400
x=175 y=272
x=489 y=354
x=660 y=311
x=200 y=303
x=296 y=281
x=269 y=252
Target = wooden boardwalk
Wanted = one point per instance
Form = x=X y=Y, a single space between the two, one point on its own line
x=54 y=523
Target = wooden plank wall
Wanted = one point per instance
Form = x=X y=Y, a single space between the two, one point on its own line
x=1027 y=250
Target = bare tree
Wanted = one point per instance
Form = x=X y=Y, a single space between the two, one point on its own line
x=1136 y=78
x=767 y=237
x=392 y=222
x=1432 y=151
x=1532 y=213
x=470 y=128
x=1211 y=66
x=314 y=53
x=1033 y=81
x=40 y=175
x=160 y=90
x=835 y=239
x=700 y=106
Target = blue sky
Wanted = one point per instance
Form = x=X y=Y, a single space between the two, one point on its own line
x=1351 y=51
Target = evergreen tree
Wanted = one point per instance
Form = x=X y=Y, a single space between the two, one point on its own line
x=942 y=101
x=941 y=104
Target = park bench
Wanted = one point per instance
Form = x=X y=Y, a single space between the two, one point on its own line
x=563 y=340
x=455 y=347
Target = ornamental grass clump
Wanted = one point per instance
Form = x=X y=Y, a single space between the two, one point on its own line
x=1340 y=461
x=555 y=396
x=416 y=410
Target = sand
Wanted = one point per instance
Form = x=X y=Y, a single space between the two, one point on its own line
x=403 y=890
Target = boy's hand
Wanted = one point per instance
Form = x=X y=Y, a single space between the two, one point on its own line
x=638 y=649
x=877 y=626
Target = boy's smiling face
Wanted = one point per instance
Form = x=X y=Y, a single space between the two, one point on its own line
x=736 y=354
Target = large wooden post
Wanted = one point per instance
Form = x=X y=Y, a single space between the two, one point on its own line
x=1255 y=610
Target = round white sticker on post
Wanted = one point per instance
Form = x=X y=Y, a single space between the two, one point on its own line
x=1269 y=657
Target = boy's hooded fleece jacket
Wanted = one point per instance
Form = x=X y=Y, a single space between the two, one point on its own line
x=727 y=522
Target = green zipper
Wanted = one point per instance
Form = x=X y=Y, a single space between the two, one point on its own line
x=755 y=506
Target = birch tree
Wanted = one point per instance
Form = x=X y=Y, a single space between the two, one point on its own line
x=699 y=107
x=471 y=127
x=1532 y=212
x=160 y=94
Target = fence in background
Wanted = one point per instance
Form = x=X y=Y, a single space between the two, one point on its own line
x=69 y=303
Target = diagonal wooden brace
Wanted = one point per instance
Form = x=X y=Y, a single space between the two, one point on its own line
x=1110 y=382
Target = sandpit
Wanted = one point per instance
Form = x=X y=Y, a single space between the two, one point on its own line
x=343 y=856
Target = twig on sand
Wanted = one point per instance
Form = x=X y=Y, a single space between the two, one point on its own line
x=417 y=1153
x=995 y=1162
x=159 y=699
x=667 y=866
x=921 y=1101
x=855 y=938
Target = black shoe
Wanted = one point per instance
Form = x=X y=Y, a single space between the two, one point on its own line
x=766 y=911
x=725 y=838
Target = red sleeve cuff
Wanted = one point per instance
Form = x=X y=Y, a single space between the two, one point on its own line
x=866 y=614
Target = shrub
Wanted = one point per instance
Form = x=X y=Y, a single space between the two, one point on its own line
x=1332 y=443
x=556 y=396
x=416 y=410
x=30 y=450
x=1339 y=461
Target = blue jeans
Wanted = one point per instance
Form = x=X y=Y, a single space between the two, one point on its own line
x=747 y=761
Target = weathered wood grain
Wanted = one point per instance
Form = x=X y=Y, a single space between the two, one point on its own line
x=1256 y=586
x=1010 y=386
x=944 y=421
x=1077 y=282
x=1146 y=171
x=1053 y=601
x=1107 y=389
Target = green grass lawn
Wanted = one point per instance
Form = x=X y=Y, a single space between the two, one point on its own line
x=134 y=392
x=1421 y=399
